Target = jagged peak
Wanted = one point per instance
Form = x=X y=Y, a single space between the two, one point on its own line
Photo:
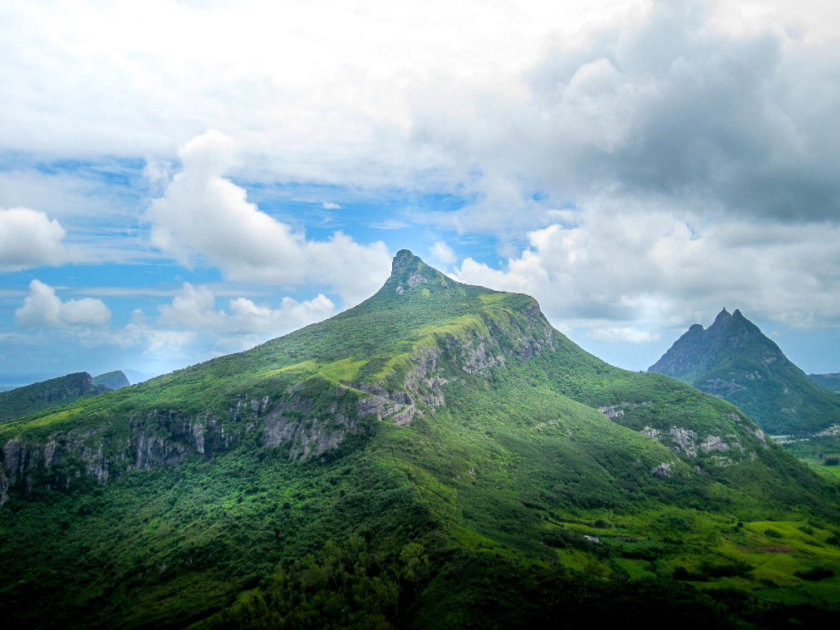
x=408 y=271
x=723 y=316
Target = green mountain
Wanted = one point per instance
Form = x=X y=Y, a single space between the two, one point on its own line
x=23 y=401
x=436 y=457
x=112 y=380
x=830 y=382
x=29 y=399
x=734 y=360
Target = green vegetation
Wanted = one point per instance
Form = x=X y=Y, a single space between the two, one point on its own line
x=111 y=380
x=734 y=360
x=533 y=485
x=821 y=454
x=30 y=399
x=827 y=381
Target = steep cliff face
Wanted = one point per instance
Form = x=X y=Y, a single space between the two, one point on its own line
x=167 y=436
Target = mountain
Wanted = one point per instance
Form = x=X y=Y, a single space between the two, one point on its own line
x=112 y=380
x=734 y=360
x=435 y=457
x=827 y=381
x=23 y=401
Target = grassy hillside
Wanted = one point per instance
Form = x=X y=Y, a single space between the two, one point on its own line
x=438 y=456
x=30 y=399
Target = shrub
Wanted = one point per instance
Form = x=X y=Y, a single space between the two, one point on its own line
x=817 y=573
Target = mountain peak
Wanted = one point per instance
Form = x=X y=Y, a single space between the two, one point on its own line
x=404 y=261
x=408 y=271
x=733 y=359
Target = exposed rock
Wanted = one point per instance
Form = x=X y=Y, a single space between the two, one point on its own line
x=831 y=431
x=662 y=470
x=685 y=440
x=649 y=431
x=713 y=443
x=415 y=279
x=614 y=412
x=4 y=487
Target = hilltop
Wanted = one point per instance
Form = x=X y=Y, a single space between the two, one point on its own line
x=733 y=359
x=29 y=399
x=438 y=456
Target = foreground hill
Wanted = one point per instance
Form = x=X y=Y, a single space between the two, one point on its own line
x=734 y=360
x=438 y=456
x=23 y=401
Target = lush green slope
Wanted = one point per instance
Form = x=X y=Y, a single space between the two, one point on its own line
x=827 y=381
x=438 y=456
x=111 y=380
x=734 y=360
x=30 y=399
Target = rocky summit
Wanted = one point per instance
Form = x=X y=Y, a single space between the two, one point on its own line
x=438 y=456
x=733 y=359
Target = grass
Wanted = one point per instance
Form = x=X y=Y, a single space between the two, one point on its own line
x=477 y=514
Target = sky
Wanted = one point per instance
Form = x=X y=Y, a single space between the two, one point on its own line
x=181 y=180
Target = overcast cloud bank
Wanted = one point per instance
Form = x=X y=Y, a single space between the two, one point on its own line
x=636 y=165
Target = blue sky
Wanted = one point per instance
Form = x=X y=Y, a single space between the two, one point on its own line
x=180 y=180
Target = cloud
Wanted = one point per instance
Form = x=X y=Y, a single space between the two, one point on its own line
x=442 y=253
x=726 y=103
x=330 y=205
x=194 y=308
x=202 y=213
x=667 y=108
x=657 y=268
x=28 y=238
x=622 y=333
x=42 y=308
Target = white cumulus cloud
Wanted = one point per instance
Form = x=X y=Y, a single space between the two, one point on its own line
x=42 y=308
x=651 y=267
x=28 y=238
x=195 y=308
x=443 y=253
x=203 y=213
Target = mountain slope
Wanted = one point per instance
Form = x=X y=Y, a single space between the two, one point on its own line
x=111 y=380
x=827 y=381
x=734 y=360
x=438 y=456
x=23 y=401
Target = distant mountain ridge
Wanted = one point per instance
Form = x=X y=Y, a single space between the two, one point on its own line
x=112 y=380
x=828 y=381
x=733 y=359
x=23 y=401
